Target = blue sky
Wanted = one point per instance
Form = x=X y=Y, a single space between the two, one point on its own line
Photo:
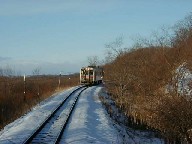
x=59 y=35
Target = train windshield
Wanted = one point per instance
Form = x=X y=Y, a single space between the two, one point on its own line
x=84 y=72
x=91 y=72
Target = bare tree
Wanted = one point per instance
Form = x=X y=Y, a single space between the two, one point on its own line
x=1 y=72
x=8 y=71
x=93 y=60
x=160 y=38
x=114 y=49
x=36 y=71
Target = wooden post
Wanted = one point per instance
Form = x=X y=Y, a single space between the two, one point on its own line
x=24 y=92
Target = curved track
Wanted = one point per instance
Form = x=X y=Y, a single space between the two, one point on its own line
x=51 y=130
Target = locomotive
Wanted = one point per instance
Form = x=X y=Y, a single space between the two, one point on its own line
x=91 y=75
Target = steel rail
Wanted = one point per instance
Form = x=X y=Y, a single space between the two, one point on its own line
x=41 y=126
x=70 y=113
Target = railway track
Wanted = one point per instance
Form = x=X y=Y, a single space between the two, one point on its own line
x=51 y=130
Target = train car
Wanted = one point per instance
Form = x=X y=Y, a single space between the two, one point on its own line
x=91 y=75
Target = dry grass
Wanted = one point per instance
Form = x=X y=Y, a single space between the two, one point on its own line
x=13 y=101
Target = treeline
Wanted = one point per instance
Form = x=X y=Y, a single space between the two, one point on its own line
x=144 y=84
x=18 y=95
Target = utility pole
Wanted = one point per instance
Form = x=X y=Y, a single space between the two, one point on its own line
x=24 y=87
x=59 y=80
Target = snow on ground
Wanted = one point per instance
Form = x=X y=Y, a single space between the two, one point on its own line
x=184 y=79
x=20 y=129
x=89 y=123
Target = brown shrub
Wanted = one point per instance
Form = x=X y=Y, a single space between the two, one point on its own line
x=137 y=81
x=173 y=117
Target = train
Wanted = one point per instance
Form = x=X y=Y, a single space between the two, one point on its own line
x=91 y=75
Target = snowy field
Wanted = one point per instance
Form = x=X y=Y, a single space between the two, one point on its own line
x=89 y=123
